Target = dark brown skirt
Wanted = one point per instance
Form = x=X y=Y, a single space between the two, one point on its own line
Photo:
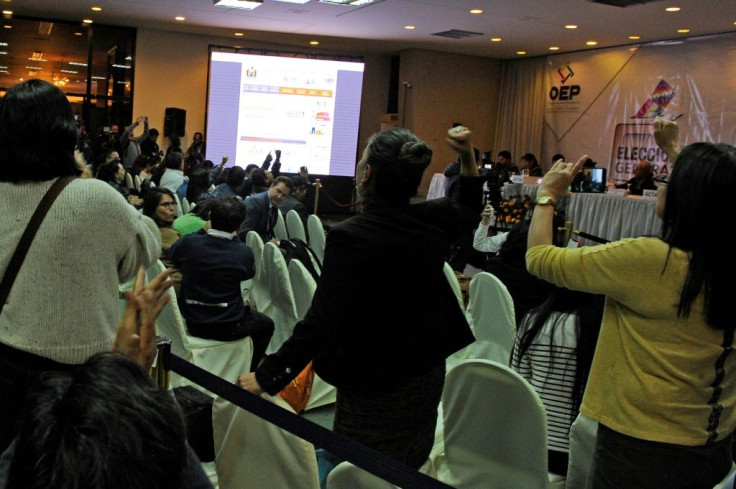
x=399 y=421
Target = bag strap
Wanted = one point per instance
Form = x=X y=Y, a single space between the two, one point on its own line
x=30 y=232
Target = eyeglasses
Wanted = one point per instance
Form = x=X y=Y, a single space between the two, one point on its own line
x=167 y=204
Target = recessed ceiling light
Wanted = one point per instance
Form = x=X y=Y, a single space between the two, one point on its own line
x=314 y=43
x=554 y=48
x=571 y=26
x=409 y=27
x=7 y=12
x=241 y=4
x=683 y=31
x=591 y=43
x=496 y=39
x=239 y=34
x=476 y=11
x=97 y=9
x=672 y=9
x=634 y=38
x=180 y=18
x=520 y=52
x=8 y=26
x=77 y=33
x=87 y=21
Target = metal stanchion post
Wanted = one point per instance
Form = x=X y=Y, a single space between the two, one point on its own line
x=317 y=186
x=160 y=371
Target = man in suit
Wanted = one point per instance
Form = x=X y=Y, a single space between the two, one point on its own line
x=262 y=208
x=295 y=201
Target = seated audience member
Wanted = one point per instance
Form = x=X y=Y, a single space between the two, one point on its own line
x=554 y=348
x=173 y=176
x=114 y=174
x=195 y=220
x=197 y=189
x=642 y=180
x=174 y=145
x=295 y=200
x=248 y=185
x=197 y=146
x=214 y=171
x=526 y=290
x=64 y=301
x=261 y=209
x=105 y=424
x=159 y=205
x=557 y=157
x=497 y=176
x=212 y=264
x=259 y=179
x=233 y=184
x=530 y=165
x=481 y=241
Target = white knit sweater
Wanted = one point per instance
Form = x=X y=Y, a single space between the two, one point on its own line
x=64 y=303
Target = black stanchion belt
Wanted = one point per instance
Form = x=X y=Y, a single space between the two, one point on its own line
x=366 y=458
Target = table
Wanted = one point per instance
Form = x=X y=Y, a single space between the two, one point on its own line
x=602 y=215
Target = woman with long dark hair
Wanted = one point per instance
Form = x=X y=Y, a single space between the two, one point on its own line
x=662 y=385
x=63 y=305
x=554 y=349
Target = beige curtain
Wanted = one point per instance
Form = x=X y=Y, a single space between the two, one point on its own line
x=520 y=117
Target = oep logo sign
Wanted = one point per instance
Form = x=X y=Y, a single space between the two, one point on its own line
x=564 y=92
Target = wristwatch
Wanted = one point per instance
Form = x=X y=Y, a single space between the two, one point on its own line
x=545 y=200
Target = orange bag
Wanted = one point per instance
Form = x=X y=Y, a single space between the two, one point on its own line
x=298 y=391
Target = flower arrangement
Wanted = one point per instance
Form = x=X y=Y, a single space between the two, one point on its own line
x=513 y=211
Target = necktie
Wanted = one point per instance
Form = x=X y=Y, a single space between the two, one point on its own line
x=272 y=219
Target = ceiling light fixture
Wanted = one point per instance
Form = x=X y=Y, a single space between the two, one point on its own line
x=683 y=31
x=476 y=11
x=591 y=43
x=87 y=21
x=521 y=52
x=409 y=27
x=314 y=43
x=571 y=26
x=293 y=1
x=351 y=3
x=180 y=18
x=77 y=33
x=672 y=9
x=496 y=39
x=634 y=38
x=554 y=48
x=241 y=4
x=97 y=9
x=239 y=34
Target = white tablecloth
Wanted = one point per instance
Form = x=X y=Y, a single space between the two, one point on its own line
x=601 y=215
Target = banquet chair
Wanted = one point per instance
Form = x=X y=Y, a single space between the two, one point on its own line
x=279 y=230
x=303 y=286
x=583 y=433
x=251 y=453
x=137 y=183
x=259 y=286
x=185 y=207
x=490 y=313
x=282 y=308
x=129 y=181
x=178 y=205
x=454 y=283
x=347 y=476
x=495 y=430
x=226 y=359
x=295 y=226
x=316 y=236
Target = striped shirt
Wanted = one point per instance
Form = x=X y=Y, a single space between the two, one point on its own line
x=549 y=366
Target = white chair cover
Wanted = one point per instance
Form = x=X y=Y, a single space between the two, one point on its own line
x=316 y=236
x=454 y=283
x=303 y=286
x=490 y=314
x=259 y=285
x=495 y=429
x=728 y=481
x=348 y=476
x=279 y=230
x=178 y=205
x=295 y=226
x=226 y=359
x=583 y=433
x=185 y=207
x=282 y=309
x=251 y=453
x=129 y=181
x=137 y=183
